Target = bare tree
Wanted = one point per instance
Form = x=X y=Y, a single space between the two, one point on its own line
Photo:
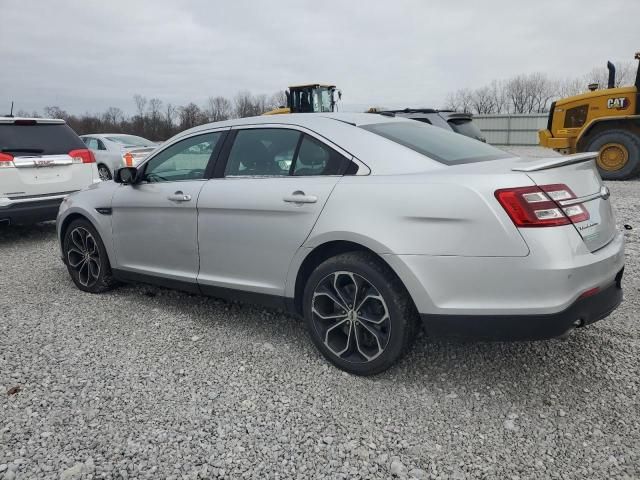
x=243 y=104
x=56 y=112
x=278 y=100
x=482 y=100
x=600 y=75
x=570 y=86
x=113 y=117
x=154 y=119
x=260 y=104
x=168 y=128
x=190 y=116
x=141 y=103
x=451 y=102
x=218 y=109
x=500 y=101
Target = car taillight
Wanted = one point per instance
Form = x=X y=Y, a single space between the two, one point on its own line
x=82 y=155
x=6 y=160
x=538 y=206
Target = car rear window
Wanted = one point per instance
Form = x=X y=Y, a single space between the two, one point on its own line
x=440 y=145
x=39 y=139
x=131 y=140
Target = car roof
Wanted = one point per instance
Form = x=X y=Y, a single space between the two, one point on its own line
x=110 y=135
x=9 y=120
x=300 y=119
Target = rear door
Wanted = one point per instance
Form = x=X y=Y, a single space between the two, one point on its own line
x=37 y=161
x=574 y=183
x=262 y=206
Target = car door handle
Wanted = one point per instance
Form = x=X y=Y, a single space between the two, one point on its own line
x=179 y=197
x=300 y=197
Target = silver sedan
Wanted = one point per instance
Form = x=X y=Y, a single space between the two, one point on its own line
x=116 y=150
x=367 y=226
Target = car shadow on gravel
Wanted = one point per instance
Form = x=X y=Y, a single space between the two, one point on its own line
x=519 y=367
x=527 y=368
x=10 y=234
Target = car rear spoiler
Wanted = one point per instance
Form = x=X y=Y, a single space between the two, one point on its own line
x=546 y=163
x=460 y=115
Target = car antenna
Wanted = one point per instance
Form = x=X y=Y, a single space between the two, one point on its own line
x=11 y=113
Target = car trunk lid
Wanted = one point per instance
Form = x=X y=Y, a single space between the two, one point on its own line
x=579 y=173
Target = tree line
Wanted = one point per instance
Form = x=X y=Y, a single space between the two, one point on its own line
x=531 y=93
x=156 y=120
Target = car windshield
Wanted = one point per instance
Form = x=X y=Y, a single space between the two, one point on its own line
x=440 y=145
x=131 y=140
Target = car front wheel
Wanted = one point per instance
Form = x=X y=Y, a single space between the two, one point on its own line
x=86 y=258
x=358 y=313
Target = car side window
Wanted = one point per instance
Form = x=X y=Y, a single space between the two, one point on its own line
x=91 y=143
x=262 y=152
x=316 y=158
x=184 y=160
x=101 y=145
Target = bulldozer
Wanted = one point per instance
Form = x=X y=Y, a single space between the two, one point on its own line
x=310 y=98
x=603 y=120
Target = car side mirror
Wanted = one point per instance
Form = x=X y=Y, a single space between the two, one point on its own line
x=126 y=175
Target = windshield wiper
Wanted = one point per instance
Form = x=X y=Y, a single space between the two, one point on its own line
x=25 y=150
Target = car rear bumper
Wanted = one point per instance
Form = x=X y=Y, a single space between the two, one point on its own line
x=528 y=327
x=30 y=212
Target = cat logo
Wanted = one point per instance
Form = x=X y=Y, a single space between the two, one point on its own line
x=619 y=103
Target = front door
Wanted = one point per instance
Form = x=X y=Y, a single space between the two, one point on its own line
x=155 y=220
x=254 y=217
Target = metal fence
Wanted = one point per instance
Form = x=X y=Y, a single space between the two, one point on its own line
x=511 y=129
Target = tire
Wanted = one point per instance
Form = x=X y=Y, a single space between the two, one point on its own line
x=104 y=173
x=616 y=145
x=86 y=258
x=350 y=338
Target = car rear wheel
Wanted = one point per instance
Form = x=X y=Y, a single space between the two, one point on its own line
x=104 y=173
x=618 y=154
x=358 y=313
x=86 y=258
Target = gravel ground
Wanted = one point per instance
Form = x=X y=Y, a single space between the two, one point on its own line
x=148 y=383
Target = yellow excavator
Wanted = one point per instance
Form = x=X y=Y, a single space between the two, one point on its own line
x=310 y=98
x=605 y=120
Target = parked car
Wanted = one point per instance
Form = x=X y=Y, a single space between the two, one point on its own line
x=458 y=122
x=374 y=225
x=41 y=162
x=115 y=150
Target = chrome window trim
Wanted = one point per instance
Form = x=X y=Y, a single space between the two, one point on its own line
x=363 y=169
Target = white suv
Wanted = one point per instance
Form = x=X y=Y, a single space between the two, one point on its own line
x=41 y=162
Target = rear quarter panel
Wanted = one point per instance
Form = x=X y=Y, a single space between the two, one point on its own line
x=429 y=214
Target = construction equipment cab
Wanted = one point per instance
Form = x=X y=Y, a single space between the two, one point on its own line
x=311 y=98
x=606 y=121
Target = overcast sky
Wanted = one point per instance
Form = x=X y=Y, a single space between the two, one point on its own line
x=88 y=55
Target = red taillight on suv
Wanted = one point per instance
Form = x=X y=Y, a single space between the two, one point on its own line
x=538 y=206
x=6 y=160
x=82 y=155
